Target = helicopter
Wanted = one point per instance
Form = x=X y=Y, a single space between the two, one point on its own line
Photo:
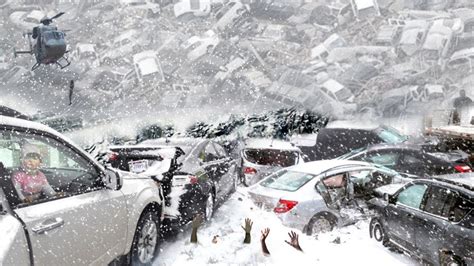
x=50 y=44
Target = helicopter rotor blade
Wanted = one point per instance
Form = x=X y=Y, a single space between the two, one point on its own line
x=57 y=15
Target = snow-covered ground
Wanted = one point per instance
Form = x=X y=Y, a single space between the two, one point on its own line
x=355 y=248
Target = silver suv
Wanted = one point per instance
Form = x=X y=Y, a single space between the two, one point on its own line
x=58 y=205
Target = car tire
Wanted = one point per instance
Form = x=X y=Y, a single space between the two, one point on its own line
x=377 y=231
x=448 y=259
x=146 y=239
x=319 y=224
x=209 y=207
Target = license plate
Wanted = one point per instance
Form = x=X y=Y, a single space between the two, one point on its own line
x=138 y=166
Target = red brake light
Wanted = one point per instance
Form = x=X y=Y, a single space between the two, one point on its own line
x=193 y=179
x=250 y=170
x=462 y=168
x=284 y=206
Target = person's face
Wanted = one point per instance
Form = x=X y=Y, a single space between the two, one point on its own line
x=462 y=93
x=31 y=162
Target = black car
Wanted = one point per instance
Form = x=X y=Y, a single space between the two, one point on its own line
x=412 y=160
x=433 y=219
x=330 y=143
x=197 y=175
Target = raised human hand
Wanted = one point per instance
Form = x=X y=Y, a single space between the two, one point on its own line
x=265 y=233
x=294 y=242
x=247 y=229
x=248 y=226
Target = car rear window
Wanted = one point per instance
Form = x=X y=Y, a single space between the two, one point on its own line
x=287 y=180
x=271 y=157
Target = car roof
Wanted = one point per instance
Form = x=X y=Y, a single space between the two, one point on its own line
x=172 y=142
x=318 y=167
x=258 y=143
x=465 y=180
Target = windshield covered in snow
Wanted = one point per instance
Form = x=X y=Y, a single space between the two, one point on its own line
x=287 y=180
x=391 y=136
x=271 y=157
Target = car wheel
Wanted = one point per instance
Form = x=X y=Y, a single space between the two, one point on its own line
x=145 y=241
x=450 y=260
x=378 y=232
x=319 y=224
x=209 y=208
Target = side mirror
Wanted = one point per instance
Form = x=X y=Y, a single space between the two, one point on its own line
x=112 y=179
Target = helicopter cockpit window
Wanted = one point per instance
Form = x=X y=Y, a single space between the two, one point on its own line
x=53 y=35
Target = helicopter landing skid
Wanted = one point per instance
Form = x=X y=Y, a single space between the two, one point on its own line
x=63 y=65
x=35 y=66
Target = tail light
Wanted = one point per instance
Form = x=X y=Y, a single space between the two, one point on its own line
x=284 y=206
x=250 y=170
x=462 y=168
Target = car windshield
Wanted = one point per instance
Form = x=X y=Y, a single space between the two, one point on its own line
x=271 y=157
x=287 y=180
x=390 y=135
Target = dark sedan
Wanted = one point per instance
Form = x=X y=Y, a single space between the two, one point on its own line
x=196 y=174
x=412 y=160
x=432 y=219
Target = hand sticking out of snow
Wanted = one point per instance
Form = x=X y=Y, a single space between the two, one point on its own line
x=294 y=242
x=247 y=229
x=265 y=233
x=197 y=221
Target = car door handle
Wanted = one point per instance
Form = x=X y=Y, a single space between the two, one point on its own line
x=48 y=225
x=409 y=215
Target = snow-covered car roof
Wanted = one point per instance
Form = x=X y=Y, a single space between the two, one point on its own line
x=270 y=144
x=147 y=61
x=363 y=4
x=85 y=47
x=318 y=167
x=36 y=15
x=462 y=53
x=165 y=152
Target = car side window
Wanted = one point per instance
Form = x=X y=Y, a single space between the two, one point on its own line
x=387 y=159
x=209 y=153
x=460 y=208
x=412 y=196
x=41 y=168
x=439 y=201
x=220 y=150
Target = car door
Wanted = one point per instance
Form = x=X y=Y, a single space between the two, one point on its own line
x=401 y=212
x=226 y=168
x=211 y=164
x=81 y=221
x=431 y=224
x=412 y=163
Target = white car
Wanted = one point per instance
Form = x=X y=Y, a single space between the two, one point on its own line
x=148 y=68
x=89 y=215
x=199 y=8
x=122 y=45
x=197 y=46
x=140 y=7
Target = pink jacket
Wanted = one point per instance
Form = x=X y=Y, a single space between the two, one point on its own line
x=31 y=185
